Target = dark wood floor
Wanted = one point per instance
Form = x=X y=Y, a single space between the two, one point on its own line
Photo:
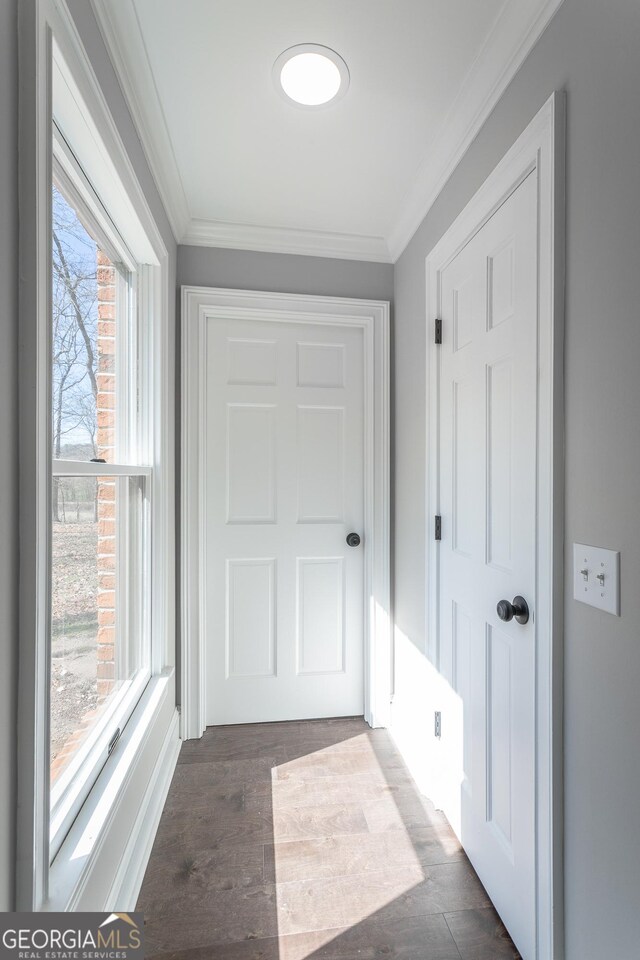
x=288 y=841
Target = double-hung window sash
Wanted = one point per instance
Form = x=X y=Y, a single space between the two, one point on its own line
x=101 y=483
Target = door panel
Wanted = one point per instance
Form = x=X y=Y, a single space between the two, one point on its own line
x=463 y=479
x=321 y=364
x=251 y=493
x=499 y=463
x=251 y=616
x=499 y=734
x=488 y=397
x=284 y=455
x=320 y=464
x=320 y=601
x=251 y=362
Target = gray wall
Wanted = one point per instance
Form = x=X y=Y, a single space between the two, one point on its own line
x=8 y=440
x=591 y=50
x=284 y=273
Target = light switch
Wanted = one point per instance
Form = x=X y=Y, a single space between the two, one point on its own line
x=596 y=577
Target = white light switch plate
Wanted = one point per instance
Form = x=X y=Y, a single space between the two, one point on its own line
x=589 y=563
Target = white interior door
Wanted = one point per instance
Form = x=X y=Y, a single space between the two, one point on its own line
x=488 y=392
x=283 y=605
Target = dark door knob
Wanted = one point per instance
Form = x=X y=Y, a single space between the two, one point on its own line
x=519 y=610
x=353 y=539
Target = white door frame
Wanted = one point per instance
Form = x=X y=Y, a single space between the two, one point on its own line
x=200 y=304
x=539 y=150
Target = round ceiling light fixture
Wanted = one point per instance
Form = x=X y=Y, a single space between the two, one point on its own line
x=311 y=75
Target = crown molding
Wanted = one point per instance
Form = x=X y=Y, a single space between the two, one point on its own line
x=516 y=30
x=309 y=243
x=122 y=35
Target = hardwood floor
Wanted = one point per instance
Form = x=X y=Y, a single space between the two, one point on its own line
x=288 y=841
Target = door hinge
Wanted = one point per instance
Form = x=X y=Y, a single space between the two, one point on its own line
x=438 y=330
x=438 y=528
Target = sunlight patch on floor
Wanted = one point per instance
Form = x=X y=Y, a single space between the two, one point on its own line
x=354 y=875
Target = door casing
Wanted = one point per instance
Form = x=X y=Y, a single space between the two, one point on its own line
x=199 y=304
x=539 y=150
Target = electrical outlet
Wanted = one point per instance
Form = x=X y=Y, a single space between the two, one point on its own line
x=437 y=726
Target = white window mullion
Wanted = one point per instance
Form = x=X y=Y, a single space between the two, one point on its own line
x=153 y=615
x=145 y=334
x=89 y=468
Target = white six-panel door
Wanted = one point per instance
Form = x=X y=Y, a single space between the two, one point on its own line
x=283 y=487
x=488 y=550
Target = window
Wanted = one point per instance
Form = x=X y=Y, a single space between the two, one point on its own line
x=97 y=717
x=101 y=483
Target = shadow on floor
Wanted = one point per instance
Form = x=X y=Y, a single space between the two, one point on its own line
x=289 y=841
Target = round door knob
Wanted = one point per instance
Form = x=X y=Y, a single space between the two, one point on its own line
x=353 y=540
x=519 y=610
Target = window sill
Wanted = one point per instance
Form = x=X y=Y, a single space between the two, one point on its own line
x=104 y=814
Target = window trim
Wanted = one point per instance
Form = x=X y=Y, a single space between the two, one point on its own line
x=50 y=47
x=85 y=468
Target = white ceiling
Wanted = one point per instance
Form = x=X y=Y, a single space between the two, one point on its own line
x=239 y=166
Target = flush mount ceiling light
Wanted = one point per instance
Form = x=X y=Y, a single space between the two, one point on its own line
x=311 y=75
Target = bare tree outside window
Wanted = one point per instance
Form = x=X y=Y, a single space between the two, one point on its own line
x=83 y=601
x=75 y=319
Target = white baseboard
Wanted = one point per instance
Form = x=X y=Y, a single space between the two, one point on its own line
x=128 y=880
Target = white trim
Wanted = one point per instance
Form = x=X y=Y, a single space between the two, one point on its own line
x=128 y=880
x=200 y=304
x=47 y=30
x=73 y=184
x=75 y=103
x=91 y=468
x=123 y=39
x=309 y=243
x=540 y=149
x=515 y=33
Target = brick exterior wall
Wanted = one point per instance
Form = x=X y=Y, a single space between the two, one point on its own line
x=105 y=509
x=106 y=493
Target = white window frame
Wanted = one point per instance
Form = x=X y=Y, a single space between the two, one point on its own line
x=78 y=777
x=52 y=58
